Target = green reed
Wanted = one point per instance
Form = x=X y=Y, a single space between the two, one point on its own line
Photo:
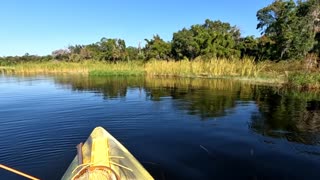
x=211 y=68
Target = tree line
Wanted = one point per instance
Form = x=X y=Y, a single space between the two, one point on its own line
x=289 y=30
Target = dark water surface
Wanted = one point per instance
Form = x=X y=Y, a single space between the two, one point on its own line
x=177 y=128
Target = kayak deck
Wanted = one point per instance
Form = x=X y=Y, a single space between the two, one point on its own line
x=103 y=157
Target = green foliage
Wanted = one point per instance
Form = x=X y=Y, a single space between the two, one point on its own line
x=289 y=26
x=213 y=39
x=185 y=45
x=104 y=50
x=12 y=60
x=311 y=10
x=305 y=80
x=249 y=47
x=157 y=48
x=135 y=53
x=316 y=48
x=111 y=49
x=75 y=49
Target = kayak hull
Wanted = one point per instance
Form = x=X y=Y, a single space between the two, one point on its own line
x=103 y=156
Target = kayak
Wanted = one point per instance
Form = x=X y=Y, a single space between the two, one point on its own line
x=103 y=157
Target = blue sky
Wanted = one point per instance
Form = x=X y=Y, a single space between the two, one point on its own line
x=41 y=26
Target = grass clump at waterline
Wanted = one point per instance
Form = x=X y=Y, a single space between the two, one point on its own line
x=304 y=80
x=129 y=68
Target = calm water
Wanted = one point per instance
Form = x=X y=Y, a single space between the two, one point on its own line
x=177 y=128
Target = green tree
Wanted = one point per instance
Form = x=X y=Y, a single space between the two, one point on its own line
x=290 y=31
x=157 y=48
x=184 y=45
x=75 y=53
x=213 y=39
x=266 y=48
x=249 y=47
x=311 y=11
x=92 y=51
x=135 y=53
x=112 y=49
x=76 y=49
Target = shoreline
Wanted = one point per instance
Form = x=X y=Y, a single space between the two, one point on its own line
x=255 y=80
x=270 y=74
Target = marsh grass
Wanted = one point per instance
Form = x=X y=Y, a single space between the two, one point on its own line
x=246 y=69
x=52 y=67
x=115 y=73
x=131 y=68
x=200 y=68
x=197 y=68
x=293 y=73
x=85 y=67
x=7 y=70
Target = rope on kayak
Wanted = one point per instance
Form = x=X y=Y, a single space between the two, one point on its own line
x=87 y=168
x=18 y=172
x=83 y=167
x=118 y=157
x=121 y=166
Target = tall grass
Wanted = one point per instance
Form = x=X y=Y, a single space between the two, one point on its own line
x=199 y=68
x=50 y=68
x=85 y=67
x=292 y=72
x=216 y=68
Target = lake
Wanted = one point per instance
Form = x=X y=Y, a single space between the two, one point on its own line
x=176 y=128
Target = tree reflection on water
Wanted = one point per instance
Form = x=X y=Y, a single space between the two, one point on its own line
x=282 y=113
